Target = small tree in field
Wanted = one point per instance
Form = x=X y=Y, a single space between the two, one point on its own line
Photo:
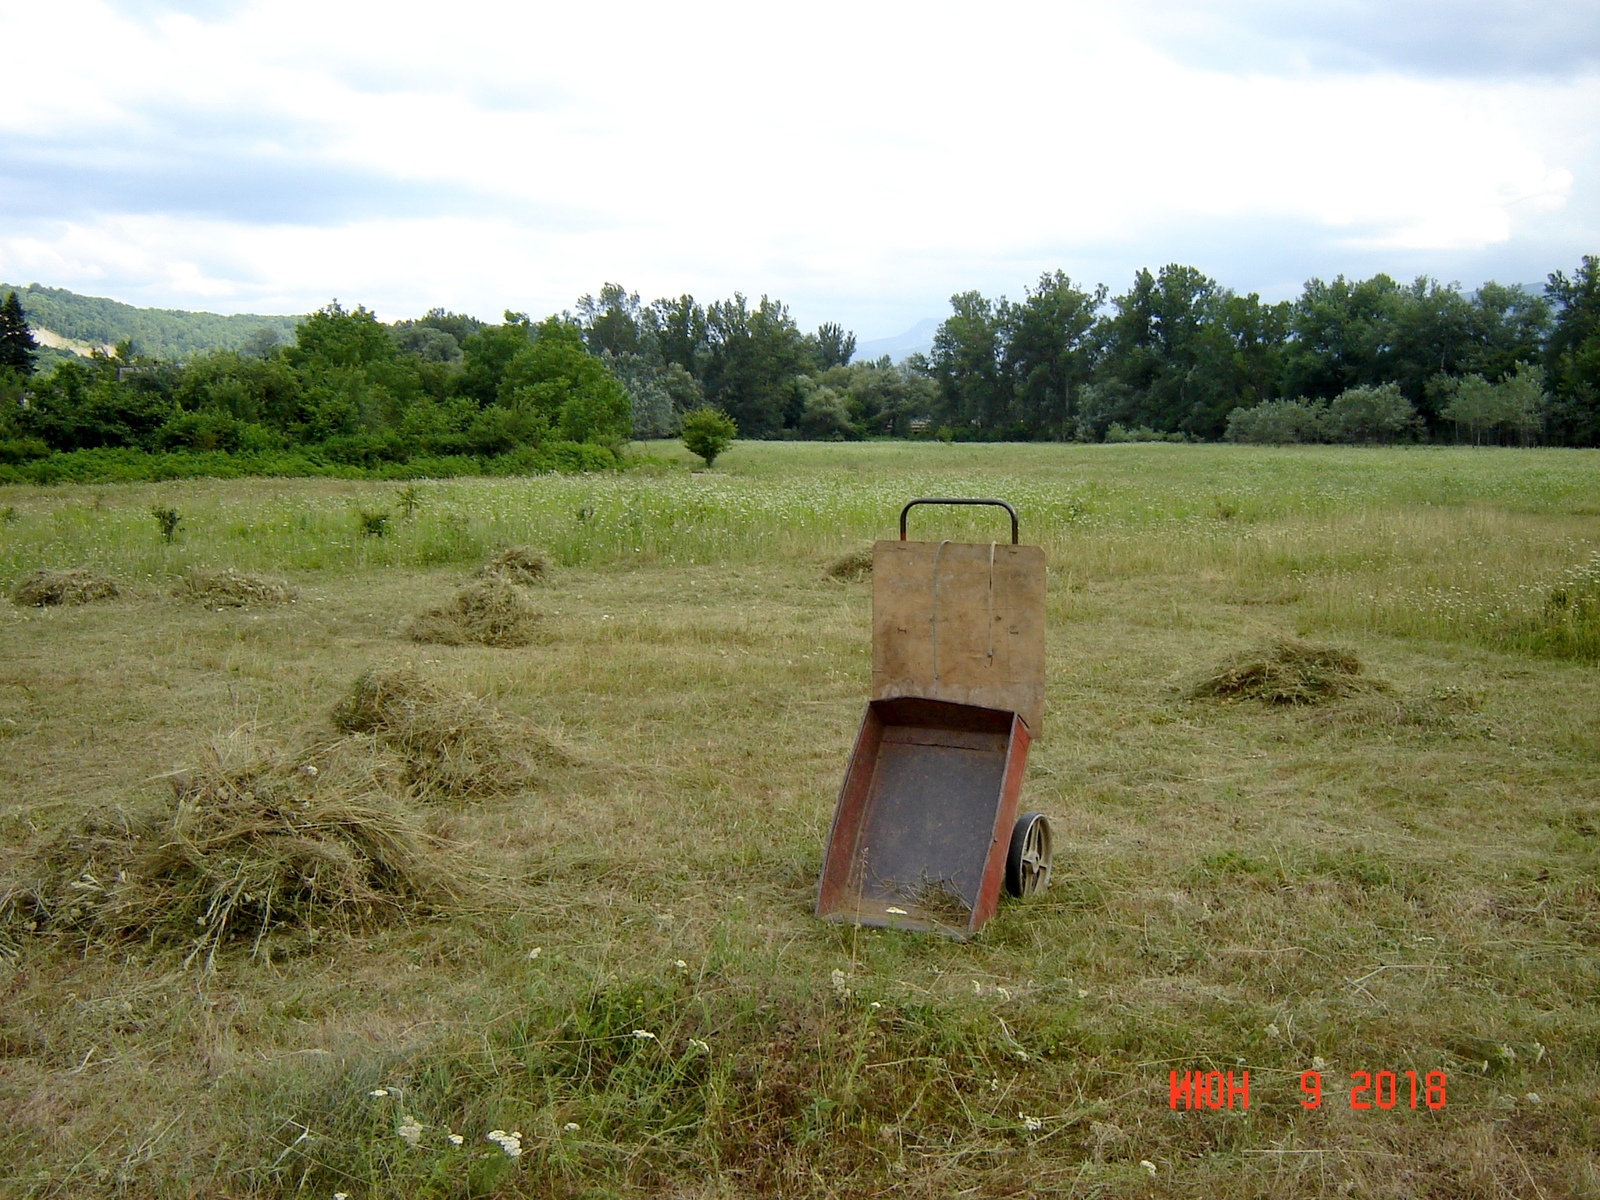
x=707 y=432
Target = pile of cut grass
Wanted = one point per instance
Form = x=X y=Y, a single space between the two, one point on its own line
x=228 y=589
x=449 y=743
x=490 y=612
x=79 y=585
x=1286 y=672
x=521 y=565
x=250 y=845
x=852 y=566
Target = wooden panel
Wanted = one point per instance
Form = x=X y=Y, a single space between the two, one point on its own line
x=960 y=621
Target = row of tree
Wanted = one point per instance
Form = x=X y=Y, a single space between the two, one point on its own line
x=1177 y=356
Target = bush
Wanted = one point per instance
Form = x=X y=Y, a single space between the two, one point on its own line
x=1372 y=414
x=1278 y=423
x=1117 y=432
x=22 y=450
x=708 y=432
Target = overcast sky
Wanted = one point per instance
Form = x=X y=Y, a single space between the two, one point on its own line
x=861 y=161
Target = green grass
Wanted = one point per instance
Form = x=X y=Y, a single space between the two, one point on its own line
x=1404 y=878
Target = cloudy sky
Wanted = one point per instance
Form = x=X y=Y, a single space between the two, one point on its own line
x=861 y=161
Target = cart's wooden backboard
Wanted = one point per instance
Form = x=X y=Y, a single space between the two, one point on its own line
x=960 y=621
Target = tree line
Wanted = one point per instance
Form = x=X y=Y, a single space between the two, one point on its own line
x=1179 y=356
x=1175 y=357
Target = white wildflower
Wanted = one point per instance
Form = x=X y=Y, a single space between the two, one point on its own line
x=841 y=986
x=341 y=1196
x=511 y=1143
x=681 y=965
x=376 y=1092
x=311 y=770
x=1272 y=1031
x=456 y=1139
x=410 y=1129
x=1083 y=993
x=644 y=1035
x=1535 y=1098
x=1318 y=1063
x=703 y=1047
x=1031 y=1124
x=535 y=952
x=1148 y=1165
x=571 y=1127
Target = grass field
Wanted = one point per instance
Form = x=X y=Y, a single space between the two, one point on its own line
x=621 y=967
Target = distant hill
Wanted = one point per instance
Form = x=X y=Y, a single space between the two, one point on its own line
x=916 y=340
x=68 y=323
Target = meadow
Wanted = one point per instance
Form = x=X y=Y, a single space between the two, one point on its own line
x=620 y=976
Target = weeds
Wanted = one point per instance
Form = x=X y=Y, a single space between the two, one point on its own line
x=372 y=524
x=167 y=521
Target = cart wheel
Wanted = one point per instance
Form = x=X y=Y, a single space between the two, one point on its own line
x=1028 y=862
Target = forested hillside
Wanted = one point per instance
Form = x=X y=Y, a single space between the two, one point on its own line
x=1176 y=357
x=169 y=334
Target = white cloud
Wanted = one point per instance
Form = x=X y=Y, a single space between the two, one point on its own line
x=861 y=162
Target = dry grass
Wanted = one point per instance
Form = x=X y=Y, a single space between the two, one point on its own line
x=250 y=845
x=450 y=744
x=521 y=565
x=852 y=566
x=44 y=588
x=1285 y=672
x=229 y=589
x=490 y=612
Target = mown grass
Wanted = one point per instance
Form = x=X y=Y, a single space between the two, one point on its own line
x=1406 y=876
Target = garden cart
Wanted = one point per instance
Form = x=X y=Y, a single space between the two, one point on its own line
x=926 y=830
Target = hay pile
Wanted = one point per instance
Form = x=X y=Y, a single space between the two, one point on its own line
x=1285 y=672
x=519 y=565
x=490 y=612
x=227 y=589
x=249 y=846
x=448 y=743
x=77 y=586
x=851 y=567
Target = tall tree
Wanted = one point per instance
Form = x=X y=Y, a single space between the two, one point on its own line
x=18 y=350
x=832 y=346
x=754 y=360
x=613 y=323
x=1049 y=349
x=1572 y=356
x=966 y=363
x=1169 y=349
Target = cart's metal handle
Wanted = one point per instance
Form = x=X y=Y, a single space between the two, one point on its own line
x=953 y=500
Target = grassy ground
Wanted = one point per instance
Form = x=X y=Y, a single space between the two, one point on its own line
x=1407 y=878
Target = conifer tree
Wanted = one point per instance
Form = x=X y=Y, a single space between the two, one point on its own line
x=17 y=347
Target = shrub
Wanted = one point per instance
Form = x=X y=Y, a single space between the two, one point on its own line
x=1278 y=423
x=1372 y=414
x=708 y=432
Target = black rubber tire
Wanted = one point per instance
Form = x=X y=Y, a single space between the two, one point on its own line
x=1028 y=860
